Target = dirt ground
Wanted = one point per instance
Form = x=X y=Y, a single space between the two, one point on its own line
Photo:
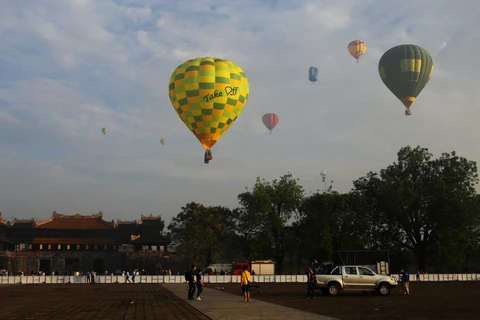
x=98 y=301
x=427 y=300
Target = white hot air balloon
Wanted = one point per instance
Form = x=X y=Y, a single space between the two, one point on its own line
x=323 y=173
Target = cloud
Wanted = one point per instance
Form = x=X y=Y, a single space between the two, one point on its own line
x=70 y=68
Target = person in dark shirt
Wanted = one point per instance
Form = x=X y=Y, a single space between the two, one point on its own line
x=406 y=281
x=199 y=283
x=190 y=277
x=310 y=280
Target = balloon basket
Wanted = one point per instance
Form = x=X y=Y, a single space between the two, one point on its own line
x=208 y=156
x=408 y=112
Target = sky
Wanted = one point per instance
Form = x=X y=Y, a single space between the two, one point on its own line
x=70 y=67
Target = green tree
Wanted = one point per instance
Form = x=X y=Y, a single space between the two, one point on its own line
x=424 y=204
x=377 y=235
x=457 y=241
x=249 y=226
x=313 y=229
x=330 y=222
x=264 y=216
x=198 y=231
x=231 y=248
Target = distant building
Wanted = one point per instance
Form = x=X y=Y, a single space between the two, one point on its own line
x=70 y=243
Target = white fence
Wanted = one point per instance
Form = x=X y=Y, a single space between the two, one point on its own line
x=443 y=277
x=146 y=279
x=207 y=279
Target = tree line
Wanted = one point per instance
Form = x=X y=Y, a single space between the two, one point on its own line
x=418 y=206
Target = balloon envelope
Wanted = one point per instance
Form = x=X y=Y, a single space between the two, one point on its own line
x=270 y=120
x=163 y=141
x=313 y=74
x=323 y=173
x=357 y=48
x=406 y=70
x=208 y=94
x=104 y=130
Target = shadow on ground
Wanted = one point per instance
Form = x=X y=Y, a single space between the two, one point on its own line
x=428 y=300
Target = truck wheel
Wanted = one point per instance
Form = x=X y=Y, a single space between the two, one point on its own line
x=333 y=289
x=384 y=289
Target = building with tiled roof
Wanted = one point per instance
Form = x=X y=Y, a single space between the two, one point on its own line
x=4 y=244
x=70 y=243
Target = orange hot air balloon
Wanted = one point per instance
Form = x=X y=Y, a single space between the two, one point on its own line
x=357 y=48
x=270 y=120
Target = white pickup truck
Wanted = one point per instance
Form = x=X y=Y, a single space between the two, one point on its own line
x=353 y=278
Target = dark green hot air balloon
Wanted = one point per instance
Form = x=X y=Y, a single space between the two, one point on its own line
x=405 y=70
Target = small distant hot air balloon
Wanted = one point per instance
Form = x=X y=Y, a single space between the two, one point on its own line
x=270 y=120
x=406 y=70
x=208 y=94
x=104 y=130
x=163 y=141
x=313 y=74
x=357 y=48
x=323 y=173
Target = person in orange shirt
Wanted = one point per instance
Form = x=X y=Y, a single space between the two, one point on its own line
x=245 y=283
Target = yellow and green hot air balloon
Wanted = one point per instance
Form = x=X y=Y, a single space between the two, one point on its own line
x=405 y=70
x=163 y=141
x=104 y=131
x=208 y=94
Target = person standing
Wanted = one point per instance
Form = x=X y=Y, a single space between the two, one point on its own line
x=190 y=277
x=310 y=280
x=199 y=283
x=406 y=281
x=246 y=278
